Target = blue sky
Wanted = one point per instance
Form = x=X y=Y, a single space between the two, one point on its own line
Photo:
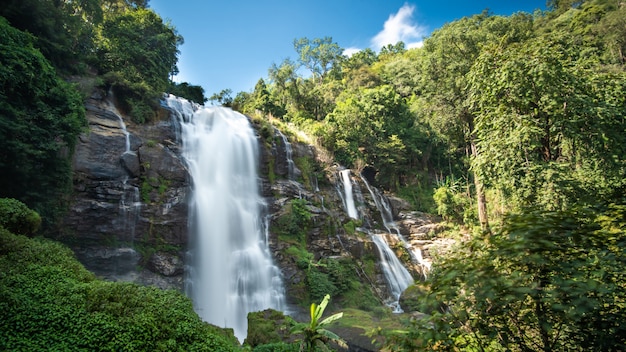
x=231 y=44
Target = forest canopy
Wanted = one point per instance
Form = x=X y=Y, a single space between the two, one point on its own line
x=512 y=128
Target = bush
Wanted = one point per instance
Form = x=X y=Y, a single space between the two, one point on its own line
x=278 y=347
x=49 y=301
x=268 y=327
x=16 y=217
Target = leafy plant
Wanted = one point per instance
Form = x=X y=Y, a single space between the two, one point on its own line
x=16 y=217
x=314 y=333
x=545 y=281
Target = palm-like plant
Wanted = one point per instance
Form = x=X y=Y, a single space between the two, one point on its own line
x=314 y=332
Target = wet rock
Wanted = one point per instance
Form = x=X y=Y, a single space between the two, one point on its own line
x=166 y=264
x=126 y=196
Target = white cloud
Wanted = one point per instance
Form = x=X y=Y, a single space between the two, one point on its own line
x=400 y=27
x=351 y=51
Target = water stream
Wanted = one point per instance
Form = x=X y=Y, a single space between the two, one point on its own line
x=348 y=194
x=384 y=208
x=288 y=156
x=397 y=276
x=231 y=271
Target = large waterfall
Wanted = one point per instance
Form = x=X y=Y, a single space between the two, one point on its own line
x=231 y=272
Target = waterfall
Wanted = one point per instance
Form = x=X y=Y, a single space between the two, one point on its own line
x=231 y=271
x=382 y=204
x=130 y=200
x=398 y=278
x=288 y=156
x=348 y=196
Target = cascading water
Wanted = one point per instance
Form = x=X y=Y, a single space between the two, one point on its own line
x=348 y=196
x=231 y=272
x=130 y=201
x=395 y=273
x=385 y=213
x=397 y=276
x=288 y=156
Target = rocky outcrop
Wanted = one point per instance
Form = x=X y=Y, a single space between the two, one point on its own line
x=128 y=209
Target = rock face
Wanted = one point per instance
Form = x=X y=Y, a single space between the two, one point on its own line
x=129 y=206
x=129 y=221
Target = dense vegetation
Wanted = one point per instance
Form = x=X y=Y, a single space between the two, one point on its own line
x=122 y=46
x=516 y=126
x=49 y=301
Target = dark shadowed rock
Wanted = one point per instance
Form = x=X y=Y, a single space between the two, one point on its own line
x=130 y=189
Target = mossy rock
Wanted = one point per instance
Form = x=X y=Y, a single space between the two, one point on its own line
x=415 y=299
x=267 y=327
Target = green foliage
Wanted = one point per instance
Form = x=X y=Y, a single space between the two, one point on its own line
x=16 y=217
x=314 y=333
x=48 y=301
x=187 y=91
x=319 y=284
x=317 y=55
x=63 y=30
x=40 y=119
x=295 y=221
x=539 y=115
x=278 y=347
x=453 y=203
x=137 y=52
x=548 y=281
x=308 y=168
x=267 y=327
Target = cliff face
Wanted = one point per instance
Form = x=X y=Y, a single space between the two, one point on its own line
x=128 y=219
x=128 y=215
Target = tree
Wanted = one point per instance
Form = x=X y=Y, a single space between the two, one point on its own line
x=284 y=83
x=380 y=124
x=223 y=97
x=63 y=29
x=138 y=54
x=41 y=117
x=314 y=332
x=545 y=281
x=448 y=57
x=544 y=128
x=317 y=55
x=188 y=91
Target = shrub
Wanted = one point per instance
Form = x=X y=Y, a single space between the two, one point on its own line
x=16 y=217
x=49 y=301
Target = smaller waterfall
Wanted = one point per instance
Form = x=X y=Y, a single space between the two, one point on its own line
x=289 y=155
x=348 y=197
x=130 y=207
x=383 y=206
x=395 y=273
x=397 y=276
x=130 y=200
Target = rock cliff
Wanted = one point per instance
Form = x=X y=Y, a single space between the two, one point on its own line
x=128 y=218
x=128 y=215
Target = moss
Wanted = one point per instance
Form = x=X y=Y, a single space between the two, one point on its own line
x=268 y=326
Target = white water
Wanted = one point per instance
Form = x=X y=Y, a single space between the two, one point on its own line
x=398 y=278
x=289 y=155
x=348 y=194
x=130 y=200
x=231 y=272
x=382 y=204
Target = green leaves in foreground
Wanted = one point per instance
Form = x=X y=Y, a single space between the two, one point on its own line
x=48 y=301
x=544 y=282
x=314 y=333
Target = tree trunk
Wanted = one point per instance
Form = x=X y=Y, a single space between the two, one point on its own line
x=481 y=200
